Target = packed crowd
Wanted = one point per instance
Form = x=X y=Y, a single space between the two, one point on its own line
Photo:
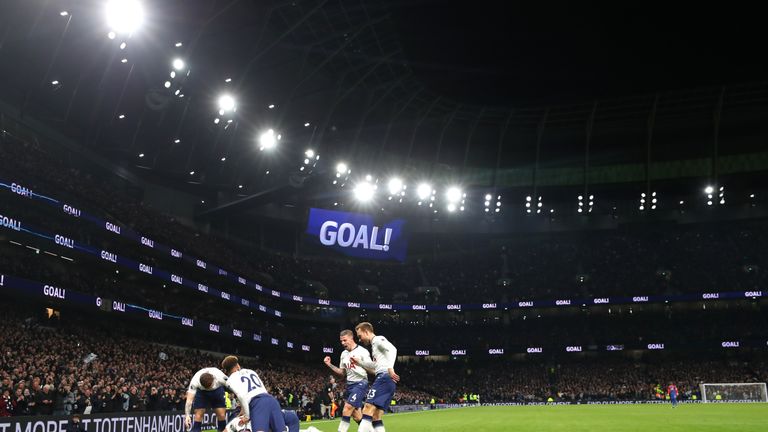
x=603 y=380
x=646 y=261
x=57 y=367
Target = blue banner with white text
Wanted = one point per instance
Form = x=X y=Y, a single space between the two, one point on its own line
x=358 y=235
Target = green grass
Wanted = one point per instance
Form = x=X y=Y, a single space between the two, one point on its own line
x=577 y=418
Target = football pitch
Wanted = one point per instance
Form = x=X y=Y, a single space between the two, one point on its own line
x=587 y=418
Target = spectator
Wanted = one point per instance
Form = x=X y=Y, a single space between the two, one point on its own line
x=7 y=407
x=75 y=425
x=45 y=401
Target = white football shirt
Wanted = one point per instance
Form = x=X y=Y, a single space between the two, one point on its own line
x=355 y=373
x=246 y=385
x=383 y=354
x=219 y=379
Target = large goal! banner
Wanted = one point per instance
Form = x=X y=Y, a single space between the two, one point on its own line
x=357 y=235
x=116 y=422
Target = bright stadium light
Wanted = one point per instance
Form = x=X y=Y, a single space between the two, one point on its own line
x=342 y=168
x=124 y=16
x=364 y=191
x=226 y=103
x=453 y=194
x=395 y=185
x=268 y=139
x=424 y=191
x=178 y=64
x=709 y=189
x=309 y=153
x=451 y=207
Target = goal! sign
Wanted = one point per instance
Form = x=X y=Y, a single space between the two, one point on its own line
x=357 y=235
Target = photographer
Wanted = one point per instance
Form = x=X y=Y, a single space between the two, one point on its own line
x=75 y=425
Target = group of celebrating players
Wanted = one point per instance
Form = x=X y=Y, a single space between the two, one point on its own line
x=261 y=412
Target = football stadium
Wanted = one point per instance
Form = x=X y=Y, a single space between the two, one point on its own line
x=382 y=215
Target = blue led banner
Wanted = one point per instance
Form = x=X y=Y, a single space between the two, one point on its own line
x=357 y=235
x=321 y=218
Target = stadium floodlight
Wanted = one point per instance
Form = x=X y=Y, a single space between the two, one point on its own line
x=63 y=13
x=364 y=191
x=342 y=168
x=451 y=207
x=191 y=173
x=178 y=44
x=224 y=159
x=309 y=153
x=395 y=185
x=226 y=103
x=141 y=155
x=306 y=124
x=268 y=139
x=424 y=191
x=453 y=194
x=167 y=84
x=709 y=189
x=178 y=64
x=124 y=16
x=488 y=197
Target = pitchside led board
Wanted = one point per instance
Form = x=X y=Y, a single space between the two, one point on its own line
x=357 y=235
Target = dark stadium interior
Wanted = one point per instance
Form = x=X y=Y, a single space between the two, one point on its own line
x=606 y=238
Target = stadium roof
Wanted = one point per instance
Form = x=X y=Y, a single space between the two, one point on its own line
x=382 y=85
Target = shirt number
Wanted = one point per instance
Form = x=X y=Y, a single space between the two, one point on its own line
x=253 y=382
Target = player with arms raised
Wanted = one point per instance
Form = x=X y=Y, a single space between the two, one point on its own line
x=380 y=395
x=206 y=390
x=357 y=378
x=256 y=404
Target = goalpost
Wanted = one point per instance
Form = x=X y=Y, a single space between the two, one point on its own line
x=730 y=392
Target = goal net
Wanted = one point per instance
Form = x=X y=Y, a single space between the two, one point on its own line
x=734 y=392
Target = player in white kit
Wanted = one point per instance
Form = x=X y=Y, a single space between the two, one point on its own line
x=257 y=406
x=357 y=378
x=206 y=390
x=380 y=395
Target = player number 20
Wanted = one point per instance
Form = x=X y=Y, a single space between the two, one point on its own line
x=252 y=381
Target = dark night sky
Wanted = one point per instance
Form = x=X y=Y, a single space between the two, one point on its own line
x=544 y=51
